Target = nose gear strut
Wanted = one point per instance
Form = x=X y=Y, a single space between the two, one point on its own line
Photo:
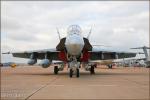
x=74 y=67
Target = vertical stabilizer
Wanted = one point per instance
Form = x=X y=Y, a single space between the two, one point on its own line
x=144 y=50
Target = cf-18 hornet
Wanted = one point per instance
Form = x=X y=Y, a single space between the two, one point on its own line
x=74 y=50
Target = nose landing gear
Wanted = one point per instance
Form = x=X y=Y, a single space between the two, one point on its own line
x=71 y=73
x=74 y=67
x=77 y=72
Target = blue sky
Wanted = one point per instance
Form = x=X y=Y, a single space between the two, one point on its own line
x=30 y=25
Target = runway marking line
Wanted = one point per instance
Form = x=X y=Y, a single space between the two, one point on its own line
x=85 y=85
x=101 y=85
x=56 y=85
x=51 y=82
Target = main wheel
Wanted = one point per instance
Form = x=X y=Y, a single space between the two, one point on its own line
x=71 y=73
x=92 y=71
x=56 y=69
x=77 y=72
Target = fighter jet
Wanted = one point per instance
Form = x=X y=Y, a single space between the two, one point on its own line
x=74 y=50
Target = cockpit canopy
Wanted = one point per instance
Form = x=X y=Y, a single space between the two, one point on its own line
x=74 y=29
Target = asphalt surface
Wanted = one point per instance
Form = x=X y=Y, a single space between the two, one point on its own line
x=26 y=82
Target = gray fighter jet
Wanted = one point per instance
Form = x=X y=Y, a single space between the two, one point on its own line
x=74 y=50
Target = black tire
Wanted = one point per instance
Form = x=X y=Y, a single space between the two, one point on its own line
x=56 y=69
x=77 y=72
x=71 y=73
x=95 y=65
x=110 y=66
x=92 y=71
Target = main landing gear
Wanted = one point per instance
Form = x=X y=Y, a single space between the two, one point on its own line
x=56 y=69
x=92 y=69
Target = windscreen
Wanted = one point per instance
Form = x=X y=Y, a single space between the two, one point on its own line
x=74 y=29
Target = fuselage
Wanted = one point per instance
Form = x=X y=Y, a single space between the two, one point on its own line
x=74 y=41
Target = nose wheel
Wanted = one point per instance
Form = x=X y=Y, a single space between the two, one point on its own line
x=77 y=72
x=110 y=66
x=71 y=72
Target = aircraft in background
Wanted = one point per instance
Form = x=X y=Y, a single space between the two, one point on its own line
x=73 y=50
x=147 y=58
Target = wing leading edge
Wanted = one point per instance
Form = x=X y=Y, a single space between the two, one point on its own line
x=106 y=55
x=52 y=54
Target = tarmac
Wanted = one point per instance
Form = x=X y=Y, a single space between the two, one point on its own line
x=35 y=82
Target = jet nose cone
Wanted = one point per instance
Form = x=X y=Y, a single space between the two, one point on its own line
x=74 y=42
x=74 y=45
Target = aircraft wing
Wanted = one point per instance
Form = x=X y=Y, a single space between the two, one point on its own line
x=102 y=54
x=40 y=54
